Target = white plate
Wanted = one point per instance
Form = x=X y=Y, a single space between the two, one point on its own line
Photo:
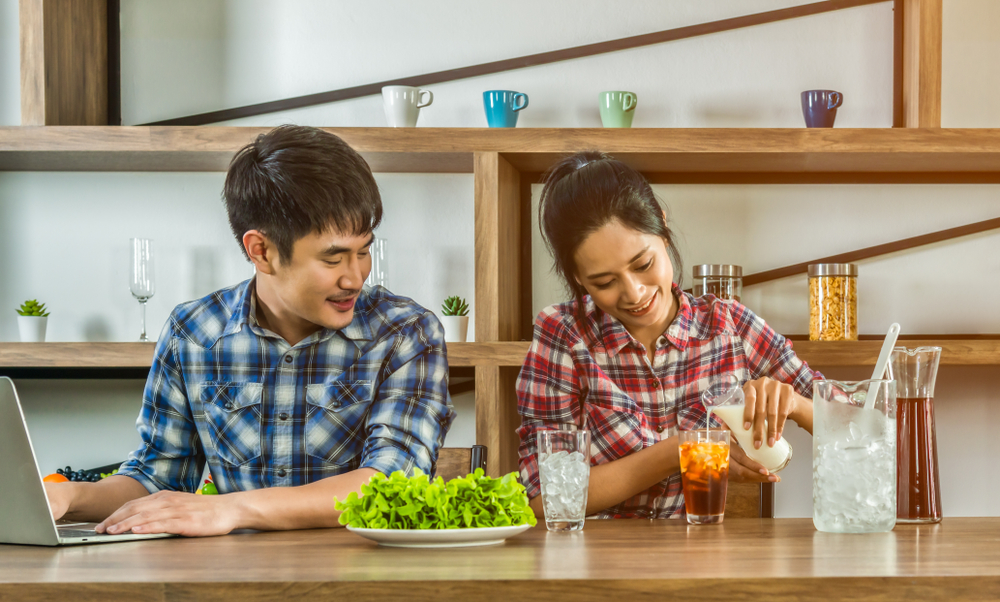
x=440 y=538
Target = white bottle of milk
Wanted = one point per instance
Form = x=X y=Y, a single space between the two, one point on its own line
x=725 y=399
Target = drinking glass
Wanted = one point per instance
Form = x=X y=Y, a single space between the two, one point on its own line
x=704 y=458
x=141 y=276
x=380 y=264
x=564 y=474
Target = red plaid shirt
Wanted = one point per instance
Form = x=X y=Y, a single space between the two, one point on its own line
x=631 y=404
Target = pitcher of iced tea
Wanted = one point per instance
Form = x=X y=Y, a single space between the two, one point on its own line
x=918 y=494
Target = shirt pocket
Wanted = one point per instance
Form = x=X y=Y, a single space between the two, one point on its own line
x=233 y=413
x=336 y=414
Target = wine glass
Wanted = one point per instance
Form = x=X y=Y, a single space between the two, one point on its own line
x=141 y=276
x=380 y=264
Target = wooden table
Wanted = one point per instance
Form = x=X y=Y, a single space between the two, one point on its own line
x=744 y=559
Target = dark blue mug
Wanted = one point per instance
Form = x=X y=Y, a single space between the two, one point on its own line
x=502 y=107
x=819 y=107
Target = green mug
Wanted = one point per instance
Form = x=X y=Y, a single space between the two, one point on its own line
x=617 y=108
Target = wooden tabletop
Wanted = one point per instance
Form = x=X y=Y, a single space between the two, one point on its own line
x=778 y=559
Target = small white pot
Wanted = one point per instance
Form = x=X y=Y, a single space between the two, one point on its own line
x=32 y=328
x=456 y=328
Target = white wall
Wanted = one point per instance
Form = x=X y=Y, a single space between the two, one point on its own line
x=65 y=234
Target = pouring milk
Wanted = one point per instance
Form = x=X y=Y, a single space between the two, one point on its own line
x=725 y=399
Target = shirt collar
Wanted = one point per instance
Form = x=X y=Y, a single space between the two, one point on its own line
x=246 y=314
x=614 y=337
x=360 y=329
x=244 y=310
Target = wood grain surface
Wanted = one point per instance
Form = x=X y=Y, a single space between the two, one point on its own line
x=980 y=351
x=922 y=59
x=696 y=154
x=742 y=559
x=64 y=62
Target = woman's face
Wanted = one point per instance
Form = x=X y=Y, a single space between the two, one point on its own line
x=628 y=274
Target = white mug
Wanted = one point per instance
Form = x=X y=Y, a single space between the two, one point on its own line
x=403 y=103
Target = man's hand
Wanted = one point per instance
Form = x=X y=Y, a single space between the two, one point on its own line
x=60 y=497
x=92 y=502
x=172 y=512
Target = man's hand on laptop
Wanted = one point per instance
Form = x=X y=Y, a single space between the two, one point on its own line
x=174 y=512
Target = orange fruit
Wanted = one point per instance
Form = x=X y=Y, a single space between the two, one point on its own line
x=55 y=478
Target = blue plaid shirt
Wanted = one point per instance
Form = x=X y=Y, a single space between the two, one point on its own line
x=263 y=413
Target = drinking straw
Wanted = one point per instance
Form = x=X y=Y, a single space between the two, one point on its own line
x=883 y=361
x=583 y=407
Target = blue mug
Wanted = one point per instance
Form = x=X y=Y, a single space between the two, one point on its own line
x=819 y=107
x=502 y=107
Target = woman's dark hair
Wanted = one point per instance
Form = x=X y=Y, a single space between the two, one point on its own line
x=295 y=180
x=585 y=192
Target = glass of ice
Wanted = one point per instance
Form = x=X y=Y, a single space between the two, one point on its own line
x=854 y=456
x=564 y=474
x=704 y=474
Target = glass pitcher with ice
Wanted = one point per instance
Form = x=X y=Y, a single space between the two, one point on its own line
x=724 y=398
x=918 y=492
x=854 y=456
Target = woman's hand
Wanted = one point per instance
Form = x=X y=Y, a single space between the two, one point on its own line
x=774 y=401
x=744 y=470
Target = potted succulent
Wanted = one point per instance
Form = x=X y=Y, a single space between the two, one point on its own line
x=455 y=319
x=31 y=320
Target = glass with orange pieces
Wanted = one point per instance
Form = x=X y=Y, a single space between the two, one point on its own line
x=704 y=474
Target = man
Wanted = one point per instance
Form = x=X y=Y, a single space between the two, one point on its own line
x=295 y=386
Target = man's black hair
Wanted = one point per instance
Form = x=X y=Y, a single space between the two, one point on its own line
x=295 y=180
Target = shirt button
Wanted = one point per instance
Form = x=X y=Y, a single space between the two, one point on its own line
x=229 y=405
x=288 y=359
x=282 y=472
x=656 y=383
x=659 y=429
x=283 y=416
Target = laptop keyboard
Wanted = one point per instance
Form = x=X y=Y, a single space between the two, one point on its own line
x=78 y=533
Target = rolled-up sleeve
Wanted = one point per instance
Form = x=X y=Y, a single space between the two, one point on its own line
x=169 y=456
x=770 y=354
x=412 y=410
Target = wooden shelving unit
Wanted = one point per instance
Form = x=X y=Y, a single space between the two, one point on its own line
x=505 y=162
x=684 y=155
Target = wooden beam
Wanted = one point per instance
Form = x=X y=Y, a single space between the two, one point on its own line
x=498 y=248
x=498 y=310
x=875 y=251
x=64 y=62
x=922 y=63
x=898 y=117
x=532 y=60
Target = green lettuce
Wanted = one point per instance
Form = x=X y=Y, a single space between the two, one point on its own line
x=417 y=502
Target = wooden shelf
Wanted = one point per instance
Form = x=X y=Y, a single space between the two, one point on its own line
x=76 y=355
x=975 y=352
x=732 y=155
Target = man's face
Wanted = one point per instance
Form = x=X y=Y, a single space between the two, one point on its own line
x=321 y=282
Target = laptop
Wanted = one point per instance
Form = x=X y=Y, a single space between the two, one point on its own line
x=24 y=506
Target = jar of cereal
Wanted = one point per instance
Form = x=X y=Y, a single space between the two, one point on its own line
x=723 y=281
x=833 y=302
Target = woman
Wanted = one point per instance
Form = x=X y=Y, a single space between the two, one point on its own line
x=635 y=352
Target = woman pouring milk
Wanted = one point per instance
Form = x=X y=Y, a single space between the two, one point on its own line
x=640 y=350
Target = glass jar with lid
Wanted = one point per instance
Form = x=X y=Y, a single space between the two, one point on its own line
x=833 y=302
x=723 y=281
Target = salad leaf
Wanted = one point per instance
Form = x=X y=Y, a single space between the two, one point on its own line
x=417 y=502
